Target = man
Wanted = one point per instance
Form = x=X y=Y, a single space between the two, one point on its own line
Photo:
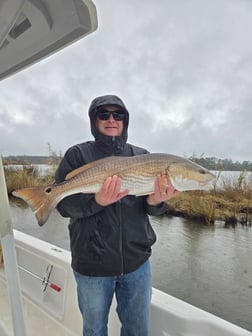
x=110 y=233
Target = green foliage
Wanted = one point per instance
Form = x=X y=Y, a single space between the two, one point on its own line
x=212 y=163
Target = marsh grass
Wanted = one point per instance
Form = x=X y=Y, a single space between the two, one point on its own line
x=232 y=203
x=196 y=205
x=27 y=176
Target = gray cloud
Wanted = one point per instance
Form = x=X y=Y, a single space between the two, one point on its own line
x=183 y=68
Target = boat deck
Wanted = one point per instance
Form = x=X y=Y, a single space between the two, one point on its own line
x=51 y=312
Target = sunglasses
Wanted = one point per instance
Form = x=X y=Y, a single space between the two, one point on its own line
x=105 y=115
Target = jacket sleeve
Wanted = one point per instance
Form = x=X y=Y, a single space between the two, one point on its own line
x=156 y=210
x=77 y=205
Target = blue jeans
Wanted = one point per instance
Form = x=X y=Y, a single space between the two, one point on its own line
x=133 y=295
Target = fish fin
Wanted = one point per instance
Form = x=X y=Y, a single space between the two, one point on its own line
x=92 y=165
x=40 y=201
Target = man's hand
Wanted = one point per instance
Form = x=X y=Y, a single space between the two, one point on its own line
x=110 y=191
x=163 y=190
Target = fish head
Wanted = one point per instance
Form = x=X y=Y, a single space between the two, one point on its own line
x=190 y=176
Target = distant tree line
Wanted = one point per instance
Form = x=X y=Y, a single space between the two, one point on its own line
x=212 y=163
x=53 y=158
x=27 y=160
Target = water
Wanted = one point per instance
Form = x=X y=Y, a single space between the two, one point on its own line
x=231 y=178
x=41 y=169
x=207 y=266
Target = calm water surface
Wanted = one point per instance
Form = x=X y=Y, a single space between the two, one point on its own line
x=207 y=266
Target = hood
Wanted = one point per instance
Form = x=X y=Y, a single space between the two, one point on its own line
x=107 y=100
x=108 y=144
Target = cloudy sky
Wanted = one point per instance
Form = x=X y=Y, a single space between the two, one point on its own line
x=183 y=69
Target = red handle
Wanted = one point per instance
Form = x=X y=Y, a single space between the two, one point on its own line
x=55 y=287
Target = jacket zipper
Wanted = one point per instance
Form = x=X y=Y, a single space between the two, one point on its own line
x=120 y=236
x=120 y=226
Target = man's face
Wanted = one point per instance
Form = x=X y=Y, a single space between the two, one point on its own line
x=111 y=125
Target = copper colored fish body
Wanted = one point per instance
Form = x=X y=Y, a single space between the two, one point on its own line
x=137 y=174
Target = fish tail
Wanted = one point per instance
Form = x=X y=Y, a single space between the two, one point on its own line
x=40 y=200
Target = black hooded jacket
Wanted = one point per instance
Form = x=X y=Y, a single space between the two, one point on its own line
x=111 y=240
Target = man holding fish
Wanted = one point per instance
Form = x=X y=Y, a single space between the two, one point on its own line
x=110 y=232
x=108 y=188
